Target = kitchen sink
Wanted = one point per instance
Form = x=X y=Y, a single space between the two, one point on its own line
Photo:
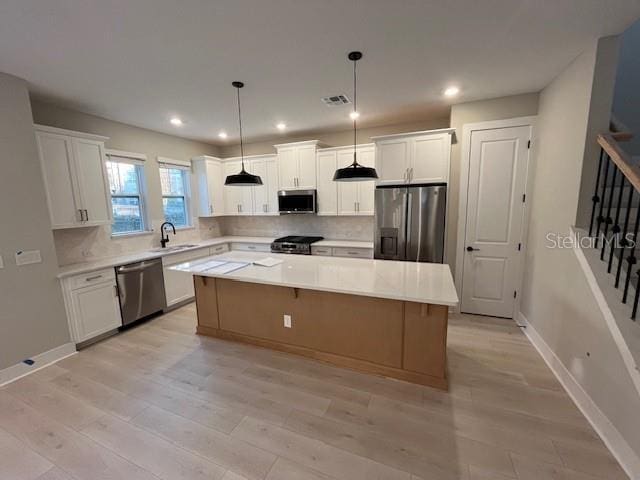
x=175 y=248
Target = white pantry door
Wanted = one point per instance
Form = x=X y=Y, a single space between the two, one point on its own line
x=498 y=160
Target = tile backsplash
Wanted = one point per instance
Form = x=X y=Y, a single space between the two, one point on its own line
x=334 y=228
x=75 y=245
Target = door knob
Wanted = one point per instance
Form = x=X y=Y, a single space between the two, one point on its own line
x=471 y=249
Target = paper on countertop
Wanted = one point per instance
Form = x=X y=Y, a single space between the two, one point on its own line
x=267 y=262
x=204 y=266
x=227 y=267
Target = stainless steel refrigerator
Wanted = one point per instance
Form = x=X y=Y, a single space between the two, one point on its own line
x=410 y=221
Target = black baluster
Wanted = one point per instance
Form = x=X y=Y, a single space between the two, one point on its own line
x=623 y=240
x=635 y=300
x=595 y=199
x=608 y=221
x=604 y=187
x=631 y=259
x=616 y=224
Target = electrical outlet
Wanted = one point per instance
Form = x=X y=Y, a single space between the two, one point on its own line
x=287 y=321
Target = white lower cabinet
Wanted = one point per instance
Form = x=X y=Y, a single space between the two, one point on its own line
x=251 y=247
x=92 y=304
x=178 y=286
x=357 y=252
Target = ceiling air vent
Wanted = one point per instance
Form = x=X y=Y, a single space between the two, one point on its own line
x=336 y=100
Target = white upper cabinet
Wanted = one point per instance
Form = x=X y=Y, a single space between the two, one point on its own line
x=265 y=196
x=356 y=198
x=75 y=177
x=210 y=181
x=297 y=165
x=418 y=157
x=327 y=195
x=237 y=200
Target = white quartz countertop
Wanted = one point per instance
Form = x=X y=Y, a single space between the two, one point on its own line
x=90 y=266
x=407 y=281
x=343 y=243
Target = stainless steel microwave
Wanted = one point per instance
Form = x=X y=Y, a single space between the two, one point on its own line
x=296 y=201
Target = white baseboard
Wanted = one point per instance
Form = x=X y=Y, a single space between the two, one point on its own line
x=609 y=434
x=40 y=361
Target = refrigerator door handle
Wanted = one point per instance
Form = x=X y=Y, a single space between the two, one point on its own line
x=408 y=222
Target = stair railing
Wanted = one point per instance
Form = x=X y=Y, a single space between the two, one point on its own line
x=608 y=224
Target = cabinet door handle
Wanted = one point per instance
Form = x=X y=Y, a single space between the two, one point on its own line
x=86 y=215
x=358 y=205
x=91 y=279
x=81 y=215
x=210 y=208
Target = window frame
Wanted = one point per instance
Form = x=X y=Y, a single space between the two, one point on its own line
x=137 y=161
x=186 y=185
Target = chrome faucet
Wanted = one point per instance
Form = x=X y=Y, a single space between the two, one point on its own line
x=164 y=240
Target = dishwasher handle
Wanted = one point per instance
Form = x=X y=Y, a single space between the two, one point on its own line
x=138 y=267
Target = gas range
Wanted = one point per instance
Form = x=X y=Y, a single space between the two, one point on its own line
x=300 y=245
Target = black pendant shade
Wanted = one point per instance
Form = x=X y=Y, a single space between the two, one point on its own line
x=244 y=178
x=355 y=172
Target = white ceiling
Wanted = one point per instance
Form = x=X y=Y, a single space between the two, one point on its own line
x=142 y=61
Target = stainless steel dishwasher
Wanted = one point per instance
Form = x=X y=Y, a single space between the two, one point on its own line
x=141 y=289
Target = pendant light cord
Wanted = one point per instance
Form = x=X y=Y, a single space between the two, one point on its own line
x=240 y=123
x=355 y=109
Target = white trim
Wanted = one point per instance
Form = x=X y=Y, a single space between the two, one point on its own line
x=347 y=147
x=298 y=144
x=609 y=318
x=42 y=360
x=413 y=134
x=247 y=158
x=465 y=155
x=121 y=153
x=72 y=133
x=609 y=434
x=171 y=162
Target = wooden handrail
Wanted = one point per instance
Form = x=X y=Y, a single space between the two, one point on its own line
x=610 y=145
x=619 y=130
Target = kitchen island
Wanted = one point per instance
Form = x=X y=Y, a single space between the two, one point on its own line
x=378 y=316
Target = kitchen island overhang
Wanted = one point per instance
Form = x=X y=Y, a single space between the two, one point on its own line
x=377 y=316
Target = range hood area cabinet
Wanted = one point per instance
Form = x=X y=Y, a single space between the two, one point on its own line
x=256 y=200
x=297 y=165
x=215 y=199
x=344 y=198
x=75 y=177
x=265 y=196
x=414 y=158
x=209 y=178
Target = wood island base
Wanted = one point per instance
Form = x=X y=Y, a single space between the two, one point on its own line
x=393 y=338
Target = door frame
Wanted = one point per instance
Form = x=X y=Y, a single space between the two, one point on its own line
x=465 y=160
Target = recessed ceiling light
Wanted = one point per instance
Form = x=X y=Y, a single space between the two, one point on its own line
x=354 y=115
x=222 y=135
x=176 y=121
x=281 y=126
x=451 y=91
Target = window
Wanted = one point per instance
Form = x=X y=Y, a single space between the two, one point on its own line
x=127 y=201
x=174 y=181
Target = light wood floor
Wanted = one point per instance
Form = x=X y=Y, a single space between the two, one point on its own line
x=161 y=402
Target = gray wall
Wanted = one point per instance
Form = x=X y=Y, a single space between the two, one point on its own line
x=78 y=244
x=626 y=104
x=473 y=112
x=32 y=317
x=556 y=299
x=334 y=138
